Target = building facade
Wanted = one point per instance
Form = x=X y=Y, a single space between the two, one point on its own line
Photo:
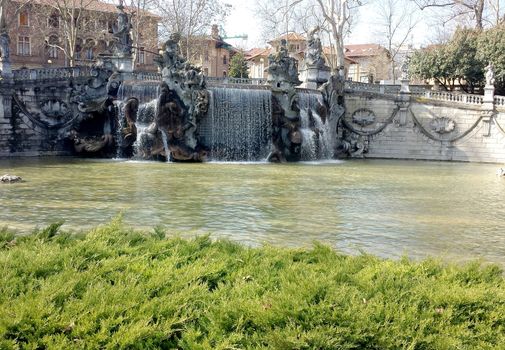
x=257 y=58
x=213 y=54
x=371 y=63
x=38 y=32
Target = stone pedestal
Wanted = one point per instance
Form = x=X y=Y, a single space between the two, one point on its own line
x=316 y=76
x=404 y=88
x=403 y=102
x=123 y=64
x=488 y=97
x=6 y=69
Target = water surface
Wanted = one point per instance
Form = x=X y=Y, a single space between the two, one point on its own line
x=455 y=211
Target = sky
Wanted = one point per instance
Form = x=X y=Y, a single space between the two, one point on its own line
x=242 y=21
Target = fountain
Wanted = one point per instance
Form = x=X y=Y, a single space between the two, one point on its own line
x=191 y=122
x=110 y=111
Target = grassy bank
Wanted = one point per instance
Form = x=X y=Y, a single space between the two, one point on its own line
x=119 y=289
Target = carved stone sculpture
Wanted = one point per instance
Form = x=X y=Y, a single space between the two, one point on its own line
x=286 y=134
x=443 y=125
x=363 y=117
x=183 y=100
x=405 y=69
x=352 y=145
x=490 y=77
x=121 y=32
x=129 y=132
x=314 y=53
x=4 y=46
x=282 y=70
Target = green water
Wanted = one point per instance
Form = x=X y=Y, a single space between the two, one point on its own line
x=455 y=211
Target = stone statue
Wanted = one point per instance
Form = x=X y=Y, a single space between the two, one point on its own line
x=286 y=134
x=490 y=78
x=170 y=57
x=182 y=101
x=130 y=131
x=314 y=54
x=4 y=35
x=4 y=46
x=283 y=70
x=405 y=69
x=121 y=32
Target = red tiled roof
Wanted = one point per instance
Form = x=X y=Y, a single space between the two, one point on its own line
x=91 y=5
x=252 y=53
x=289 y=37
x=363 y=50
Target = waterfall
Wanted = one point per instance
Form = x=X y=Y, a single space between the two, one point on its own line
x=145 y=91
x=119 y=127
x=319 y=132
x=238 y=126
x=165 y=145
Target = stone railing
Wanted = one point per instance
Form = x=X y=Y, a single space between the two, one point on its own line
x=355 y=86
x=451 y=97
x=236 y=81
x=51 y=73
x=499 y=101
x=147 y=76
x=386 y=89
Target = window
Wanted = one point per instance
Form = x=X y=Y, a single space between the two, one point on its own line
x=89 y=53
x=78 y=50
x=225 y=74
x=24 y=46
x=206 y=72
x=23 y=19
x=52 y=51
x=206 y=56
x=141 y=56
x=225 y=59
x=53 y=21
x=102 y=24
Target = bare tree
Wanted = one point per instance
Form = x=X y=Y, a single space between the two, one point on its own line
x=144 y=33
x=495 y=9
x=337 y=14
x=279 y=17
x=458 y=8
x=190 y=18
x=64 y=25
x=397 y=20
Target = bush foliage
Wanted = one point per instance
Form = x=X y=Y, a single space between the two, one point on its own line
x=115 y=288
x=462 y=61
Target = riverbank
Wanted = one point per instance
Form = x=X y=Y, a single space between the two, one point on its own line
x=118 y=288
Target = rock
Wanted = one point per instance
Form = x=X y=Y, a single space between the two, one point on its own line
x=10 y=178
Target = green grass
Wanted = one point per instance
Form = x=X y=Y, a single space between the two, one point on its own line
x=114 y=288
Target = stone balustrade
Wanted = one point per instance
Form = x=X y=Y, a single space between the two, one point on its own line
x=355 y=86
x=147 y=76
x=499 y=101
x=236 y=81
x=51 y=73
x=451 y=97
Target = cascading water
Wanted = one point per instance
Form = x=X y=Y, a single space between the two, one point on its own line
x=165 y=145
x=147 y=93
x=145 y=118
x=238 y=126
x=319 y=132
x=144 y=91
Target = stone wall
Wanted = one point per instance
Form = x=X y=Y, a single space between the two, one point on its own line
x=427 y=129
x=5 y=126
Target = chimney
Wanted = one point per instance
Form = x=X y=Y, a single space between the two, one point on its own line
x=215 y=32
